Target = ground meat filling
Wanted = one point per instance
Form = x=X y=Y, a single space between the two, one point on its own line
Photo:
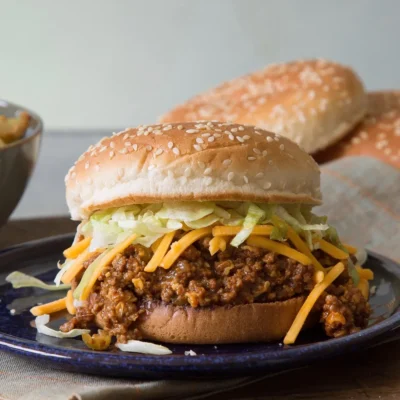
x=240 y=275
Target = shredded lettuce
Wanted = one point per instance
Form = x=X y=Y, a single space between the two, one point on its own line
x=254 y=215
x=87 y=275
x=21 y=280
x=355 y=276
x=41 y=327
x=151 y=221
x=186 y=210
x=280 y=229
x=63 y=269
x=137 y=346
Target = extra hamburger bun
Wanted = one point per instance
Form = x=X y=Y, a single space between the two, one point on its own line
x=258 y=322
x=191 y=161
x=377 y=136
x=314 y=102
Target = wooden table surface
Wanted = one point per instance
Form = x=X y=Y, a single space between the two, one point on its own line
x=371 y=374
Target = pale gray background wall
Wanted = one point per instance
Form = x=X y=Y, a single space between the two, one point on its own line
x=99 y=63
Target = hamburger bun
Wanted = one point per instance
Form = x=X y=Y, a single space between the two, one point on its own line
x=191 y=161
x=314 y=102
x=257 y=322
x=377 y=136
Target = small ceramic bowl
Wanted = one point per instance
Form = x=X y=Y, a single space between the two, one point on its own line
x=17 y=160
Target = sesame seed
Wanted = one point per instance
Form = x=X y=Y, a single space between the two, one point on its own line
x=73 y=175
x=260 y=175
x=355 y=140
x=157 y=132
x=364 y=135
x=227 y=162
x=170 y=145
x=269 y=139
x=125 y=136
x=201 y=164
x=87 y=165
x=208 y=171
x=208 y=181
x=234 y=130
x=135 y=147
x=240 y=139
x=241 y=128
x=251 y=158
x=199 y=140
x=282 y=147
x=149 y=148
x=258 y=133
x=246 y=179
x=246 y=137
x=217 y=135
x=267 y=185
x=159 y=151
x=231 y=137
x=276 y=138
x=104 y=148
x=176 y=151
x=264 y=153
x=192 y=131
x=197 y=147
x=111 y=154
x=230 y=176
x=180 y=127
x=257 y=151
x=127 y=144
x=211 y=139
x=112 y=145
x=187 y=171
x=206 y=134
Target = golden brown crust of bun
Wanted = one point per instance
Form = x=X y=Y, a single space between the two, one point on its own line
x=377 y=136
x=191 y=161
x=312 y=102
x=257 y=322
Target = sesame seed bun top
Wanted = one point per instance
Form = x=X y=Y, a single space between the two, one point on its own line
x=191 y=161
x=377 y=136
x=312 y=102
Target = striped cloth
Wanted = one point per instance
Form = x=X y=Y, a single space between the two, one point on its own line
x=361 y=198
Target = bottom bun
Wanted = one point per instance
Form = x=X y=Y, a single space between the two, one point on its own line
x=257 y=322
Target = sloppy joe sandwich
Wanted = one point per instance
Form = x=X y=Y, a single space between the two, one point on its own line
x=203 y=233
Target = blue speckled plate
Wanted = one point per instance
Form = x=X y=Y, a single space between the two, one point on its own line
x=40 y=257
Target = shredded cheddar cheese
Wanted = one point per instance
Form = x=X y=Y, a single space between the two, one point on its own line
x=332 y=250
x=69 y=301
x=264 y=243
x=214 y=245
x=159 y=254
x=155 y=245
x=306 y=308
x=363 y=285
x=365 y=273
x=49 y=308
x=302 y=247
x=106 y=259
x=76 y=249
x=76 y=267
x=352 y=250
x=182 y=244
x=318 y=276
x=233 y=230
